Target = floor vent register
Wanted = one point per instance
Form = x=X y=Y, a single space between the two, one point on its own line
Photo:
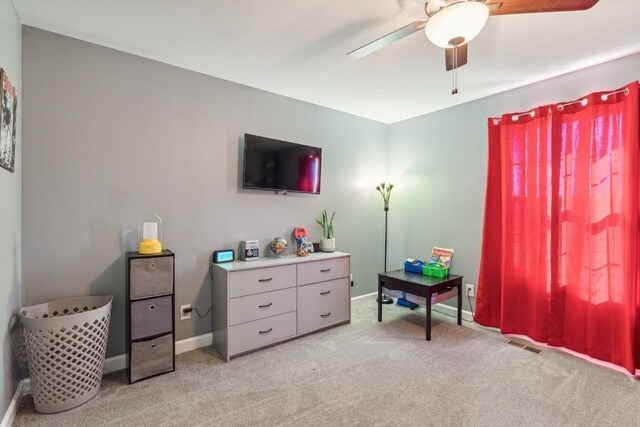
x=524 y=346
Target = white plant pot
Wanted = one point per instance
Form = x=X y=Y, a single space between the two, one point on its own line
x=328 y=245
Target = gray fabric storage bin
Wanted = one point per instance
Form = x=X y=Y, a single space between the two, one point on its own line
x=151 y=317
x=151 y=277
x=66 y=341
x=435 y=298
x=151 y=357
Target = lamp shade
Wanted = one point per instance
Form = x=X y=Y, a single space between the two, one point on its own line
x=457 y=24
x=150 y=230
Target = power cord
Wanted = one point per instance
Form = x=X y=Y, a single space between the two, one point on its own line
x=191 y=309
x=471 y=306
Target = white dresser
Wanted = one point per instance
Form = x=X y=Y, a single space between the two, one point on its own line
x=260 y=303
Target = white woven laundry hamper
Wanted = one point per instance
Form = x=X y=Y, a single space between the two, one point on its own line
x=65 y=342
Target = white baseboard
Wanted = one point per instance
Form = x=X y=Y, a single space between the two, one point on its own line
x=452 y=311
x=364 y=296
x=115 y=363
x=118 y=363
x=26 y=386
x=441 y=308
x=12 y=410
x=194 y=343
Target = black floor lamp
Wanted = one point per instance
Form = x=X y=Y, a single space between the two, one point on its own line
x=385 y=190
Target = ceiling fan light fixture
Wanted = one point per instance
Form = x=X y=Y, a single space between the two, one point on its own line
x=457 y=24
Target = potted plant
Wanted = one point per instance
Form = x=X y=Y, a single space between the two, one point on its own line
x=328 y=242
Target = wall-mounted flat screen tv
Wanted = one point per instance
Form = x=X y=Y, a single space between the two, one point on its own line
x=270 y=164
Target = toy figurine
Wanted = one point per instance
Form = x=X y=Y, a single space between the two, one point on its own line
x=304 y=247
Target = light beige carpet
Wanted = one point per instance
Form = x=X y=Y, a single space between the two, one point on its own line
x=368 y=374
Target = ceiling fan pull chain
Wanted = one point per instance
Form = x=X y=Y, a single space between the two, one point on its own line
x=454 y=90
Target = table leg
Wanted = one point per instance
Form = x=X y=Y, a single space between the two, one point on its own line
x=428 y=322
x=460 y=304
x=379 y=300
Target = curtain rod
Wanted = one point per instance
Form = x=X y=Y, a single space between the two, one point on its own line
x=584 y=101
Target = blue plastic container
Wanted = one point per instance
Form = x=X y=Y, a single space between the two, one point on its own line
x=413 y=268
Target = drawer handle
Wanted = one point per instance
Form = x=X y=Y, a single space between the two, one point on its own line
x=326 y=270
x=326 y=315
x=325 y=293
x=152 y=307
x=265 y=332
x=152 y=265
x=153 y=346
x=266 y=305
x=265 y=280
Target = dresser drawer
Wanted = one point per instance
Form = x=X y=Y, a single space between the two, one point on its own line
x=259 y=306
x=249 y=282
x=151 y=317
x=247 y=336
x=322 y=315
x=323 y=292
x=320 y=271
x=151 y=357
x=150 y=277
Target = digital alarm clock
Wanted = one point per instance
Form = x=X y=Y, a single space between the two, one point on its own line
x=224 y=255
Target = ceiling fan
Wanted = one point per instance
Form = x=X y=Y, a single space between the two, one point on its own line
x=451 y=24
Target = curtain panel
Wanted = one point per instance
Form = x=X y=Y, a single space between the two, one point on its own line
x=560 y=248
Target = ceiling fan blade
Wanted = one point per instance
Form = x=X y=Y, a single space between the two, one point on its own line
x=390 y=38
x=512 y=7
x=449 y=56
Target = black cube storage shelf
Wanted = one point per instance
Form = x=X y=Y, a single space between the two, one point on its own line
x=150 y=315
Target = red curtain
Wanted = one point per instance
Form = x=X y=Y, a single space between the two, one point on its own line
x=560 y=248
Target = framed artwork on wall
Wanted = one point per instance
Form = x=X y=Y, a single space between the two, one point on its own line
x=8 y=111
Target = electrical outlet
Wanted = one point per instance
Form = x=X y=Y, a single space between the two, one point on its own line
x=183 y=315
x=471 y=290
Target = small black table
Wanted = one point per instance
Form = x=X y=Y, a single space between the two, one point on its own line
x=418 y=284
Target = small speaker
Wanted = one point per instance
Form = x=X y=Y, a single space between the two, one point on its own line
x=249 y=250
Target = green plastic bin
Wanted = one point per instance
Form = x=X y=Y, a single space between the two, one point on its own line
x=435 y=270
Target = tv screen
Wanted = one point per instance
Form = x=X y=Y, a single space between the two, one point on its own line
x=270 y=164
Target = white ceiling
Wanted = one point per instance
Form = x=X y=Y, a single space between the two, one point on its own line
x=298 y=48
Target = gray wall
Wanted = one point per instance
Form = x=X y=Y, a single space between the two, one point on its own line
x=10 y=188
x=440 y=161
x=110 y=137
